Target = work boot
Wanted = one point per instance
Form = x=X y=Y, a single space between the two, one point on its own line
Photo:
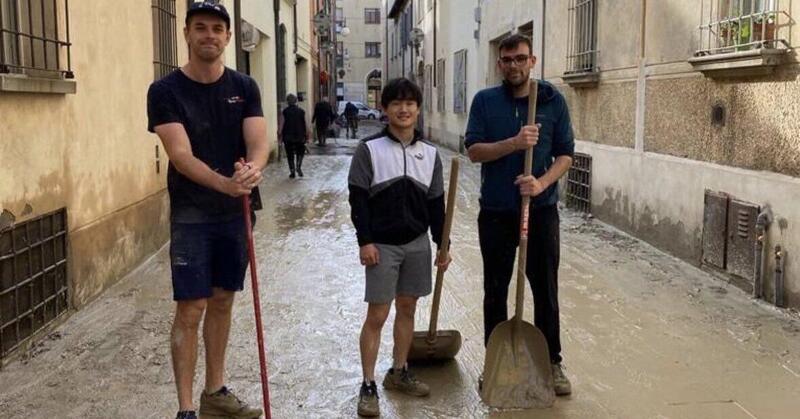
x=186 y=414
x=225 y=404
x=560 y=381
x=368 y=400
x=405 y=382
x=291 y=174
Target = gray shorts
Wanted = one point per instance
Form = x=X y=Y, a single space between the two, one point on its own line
x=402 y=270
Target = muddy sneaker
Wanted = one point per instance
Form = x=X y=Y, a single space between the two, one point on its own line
x=560 y=381
x=186 y=414
x=405 y=382
x=368 y=400
x=225 y=404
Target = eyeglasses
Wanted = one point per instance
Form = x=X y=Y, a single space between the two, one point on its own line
x=517 y=59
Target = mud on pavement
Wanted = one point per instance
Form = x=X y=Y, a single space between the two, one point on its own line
x=644 y=334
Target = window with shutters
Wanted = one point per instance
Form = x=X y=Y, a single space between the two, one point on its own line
x=460 y=81
x=440 y=86
x=372 y=49
x=428 y=100
x=372 y=16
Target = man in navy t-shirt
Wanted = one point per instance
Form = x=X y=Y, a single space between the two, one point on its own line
x=208 y=118
x=497 y=136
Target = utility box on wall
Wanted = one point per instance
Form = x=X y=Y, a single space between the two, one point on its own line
x=729 y=234
x=742 y=218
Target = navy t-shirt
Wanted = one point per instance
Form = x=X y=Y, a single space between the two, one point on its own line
x=212 y=115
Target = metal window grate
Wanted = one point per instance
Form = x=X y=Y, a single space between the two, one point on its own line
x=165 y=38
x=579 y=183
x=582 y=38
x=33 y=277
x=741 y=25
x=34 y=38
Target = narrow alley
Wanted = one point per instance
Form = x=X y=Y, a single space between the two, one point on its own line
x=644 y=334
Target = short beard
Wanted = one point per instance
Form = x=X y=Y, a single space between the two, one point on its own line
x=519 y=84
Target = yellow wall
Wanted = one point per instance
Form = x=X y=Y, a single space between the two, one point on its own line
x=90 y=152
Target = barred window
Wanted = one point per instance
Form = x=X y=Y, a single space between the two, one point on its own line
x=34 y=38
x=372 y=49
x=372 y=16
x=165 y=37
x=582 y=40
x=740 y=25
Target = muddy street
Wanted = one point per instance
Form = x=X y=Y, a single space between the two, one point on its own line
x=644 y=334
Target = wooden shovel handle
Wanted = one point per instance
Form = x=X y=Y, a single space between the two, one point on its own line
x=525 y=211
x=448 y=223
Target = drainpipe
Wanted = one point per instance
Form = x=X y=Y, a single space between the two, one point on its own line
x=762 y=225
x=237 y=40
x=435 y=33
x=276 y=8
x=544 y=36
x=780 y=264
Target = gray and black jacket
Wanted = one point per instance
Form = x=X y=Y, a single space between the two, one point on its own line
x=396 y=191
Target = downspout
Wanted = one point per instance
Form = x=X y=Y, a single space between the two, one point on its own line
x=294 y=20
x=276 y=9
x=780 y=265
x=544 y=35
x=385 y=73
x=435 y=30
x=237 y=40
x=762 y=225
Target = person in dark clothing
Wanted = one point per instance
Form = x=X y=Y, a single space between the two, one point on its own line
x=351 y=114
x=396 y=196
x=294 y=134
x=210 y=120
x=322 y=118
x=497 y=136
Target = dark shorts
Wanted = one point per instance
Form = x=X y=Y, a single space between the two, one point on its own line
x=206 y=256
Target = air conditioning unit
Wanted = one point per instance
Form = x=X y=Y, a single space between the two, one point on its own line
x=250 y=36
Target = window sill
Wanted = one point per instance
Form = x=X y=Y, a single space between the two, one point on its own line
x=24 y=84
x=582 y=79
x=758 y=62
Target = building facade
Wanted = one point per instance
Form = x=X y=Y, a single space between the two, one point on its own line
x=83 y=184
x=359 y=50
x=686 y=109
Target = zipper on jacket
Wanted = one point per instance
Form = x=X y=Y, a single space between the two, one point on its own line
x=405 y=182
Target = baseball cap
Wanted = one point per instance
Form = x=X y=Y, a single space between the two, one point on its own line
x=208 y=6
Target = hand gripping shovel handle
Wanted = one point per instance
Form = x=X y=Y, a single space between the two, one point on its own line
x=448 y=223
x=525 y=212
x=262 y=355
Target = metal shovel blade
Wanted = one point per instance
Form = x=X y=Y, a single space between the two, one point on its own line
x=517 y=372
x=444 y=346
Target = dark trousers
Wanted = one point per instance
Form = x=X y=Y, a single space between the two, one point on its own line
x=295 y=152
x=499 y=237
x=352 y=127
x=321 y=131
